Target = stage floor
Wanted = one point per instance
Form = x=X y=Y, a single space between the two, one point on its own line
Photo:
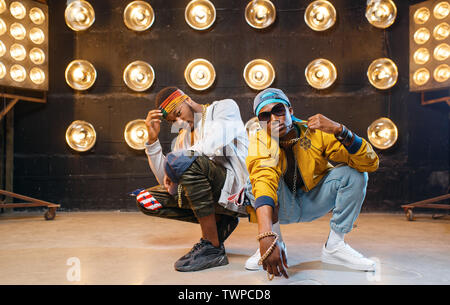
x=131 y=248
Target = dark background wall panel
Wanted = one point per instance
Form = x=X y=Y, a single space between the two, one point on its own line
x=417 y=167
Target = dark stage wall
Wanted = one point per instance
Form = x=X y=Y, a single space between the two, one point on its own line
x=417 y=167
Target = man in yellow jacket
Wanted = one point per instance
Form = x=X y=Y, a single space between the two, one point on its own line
x=292 y=180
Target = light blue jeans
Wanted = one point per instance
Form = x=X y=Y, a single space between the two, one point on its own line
x=341 y=191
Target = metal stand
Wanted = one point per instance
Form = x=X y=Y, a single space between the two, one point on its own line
x=438 y=100
x=428 y=203
x=49 y=215
x=32 y=202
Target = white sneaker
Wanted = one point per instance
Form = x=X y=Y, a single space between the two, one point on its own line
x=252 y=262
x=344 y=255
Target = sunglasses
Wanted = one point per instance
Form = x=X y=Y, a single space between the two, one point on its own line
x=277 y=110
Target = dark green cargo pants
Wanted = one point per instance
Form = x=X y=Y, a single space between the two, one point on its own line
x=202 y=184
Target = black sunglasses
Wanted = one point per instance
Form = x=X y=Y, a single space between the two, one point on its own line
x=278 y=110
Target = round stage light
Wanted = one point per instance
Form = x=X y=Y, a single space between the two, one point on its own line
x=252 y=126
x=441 y=10
x=2 y=49
x=200 y=74
x=200 y=14
x=2 y=6
x=81 y=136
x=18 y=10
x=422 y=15
x=441 y=31
x=421 y=56
x=3 y=27
x=321 y=73
x=136 y=134
x=18 y=31
x=37 y=16
x=139 y=76
x=442 y=73
x=79 y=15
x=37 y=36
x=260 y=14
x=138 y=16
x=18 y=73
x=37 y=76
x=422 y=35
x=320 y=15
x=381 y=13
x=442 y=52
x=80 y=74
x=421 y=77
x=382 y=73
x=37 y=56
x=2 y=70
x=382 y=133
x=18 y=52
x=259 y=74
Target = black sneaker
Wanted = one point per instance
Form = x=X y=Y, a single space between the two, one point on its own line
x=202 y=256
x=225 y=226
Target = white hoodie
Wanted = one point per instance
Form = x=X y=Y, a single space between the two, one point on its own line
x=223 y=139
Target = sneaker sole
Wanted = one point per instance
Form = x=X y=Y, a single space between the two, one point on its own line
x=334 y=261
x=217 y=262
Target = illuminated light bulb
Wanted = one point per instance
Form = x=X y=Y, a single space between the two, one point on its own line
x=200 y=14
x=441 y=10
x=139 y=76
x=442 y=73
x=382 y=133
x=252 y=127
x=200 y=74
x=37 y=76
x=442 y=52
x=421 y=56
x=3 y=27
x=2 y=6
x=18 y=10
x=18 y=31
x=18 y=73
x=136 y=134
x=81 y=136
x=37 y=16
x=259 y=74
x=382 y=73
x=381 y=13
x=138 y=16
x=260 y=14
x=320 y=15
x=2 y=49
x=18 y=52
x=421 y=77
x=321 y=73
x=2 y=70
x=37 y=56
x=37 y=36
x=79 y=15
x=80 y=75
x=422 y=35
x=422 y=15
x=441 y=31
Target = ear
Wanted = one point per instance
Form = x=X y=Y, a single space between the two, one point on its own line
x=291 y=111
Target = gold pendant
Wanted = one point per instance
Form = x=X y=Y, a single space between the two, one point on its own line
x=305 y=143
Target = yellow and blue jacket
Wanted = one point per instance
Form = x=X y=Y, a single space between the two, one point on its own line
x=266 y=162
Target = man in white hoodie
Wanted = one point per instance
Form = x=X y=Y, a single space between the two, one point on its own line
x=217 y=134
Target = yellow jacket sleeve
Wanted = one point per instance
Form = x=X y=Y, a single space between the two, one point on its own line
x=360 y=155
x=264 y=167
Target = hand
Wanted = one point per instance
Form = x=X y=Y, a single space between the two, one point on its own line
x=324 y=124
x=153 y=122
x=273 y=264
